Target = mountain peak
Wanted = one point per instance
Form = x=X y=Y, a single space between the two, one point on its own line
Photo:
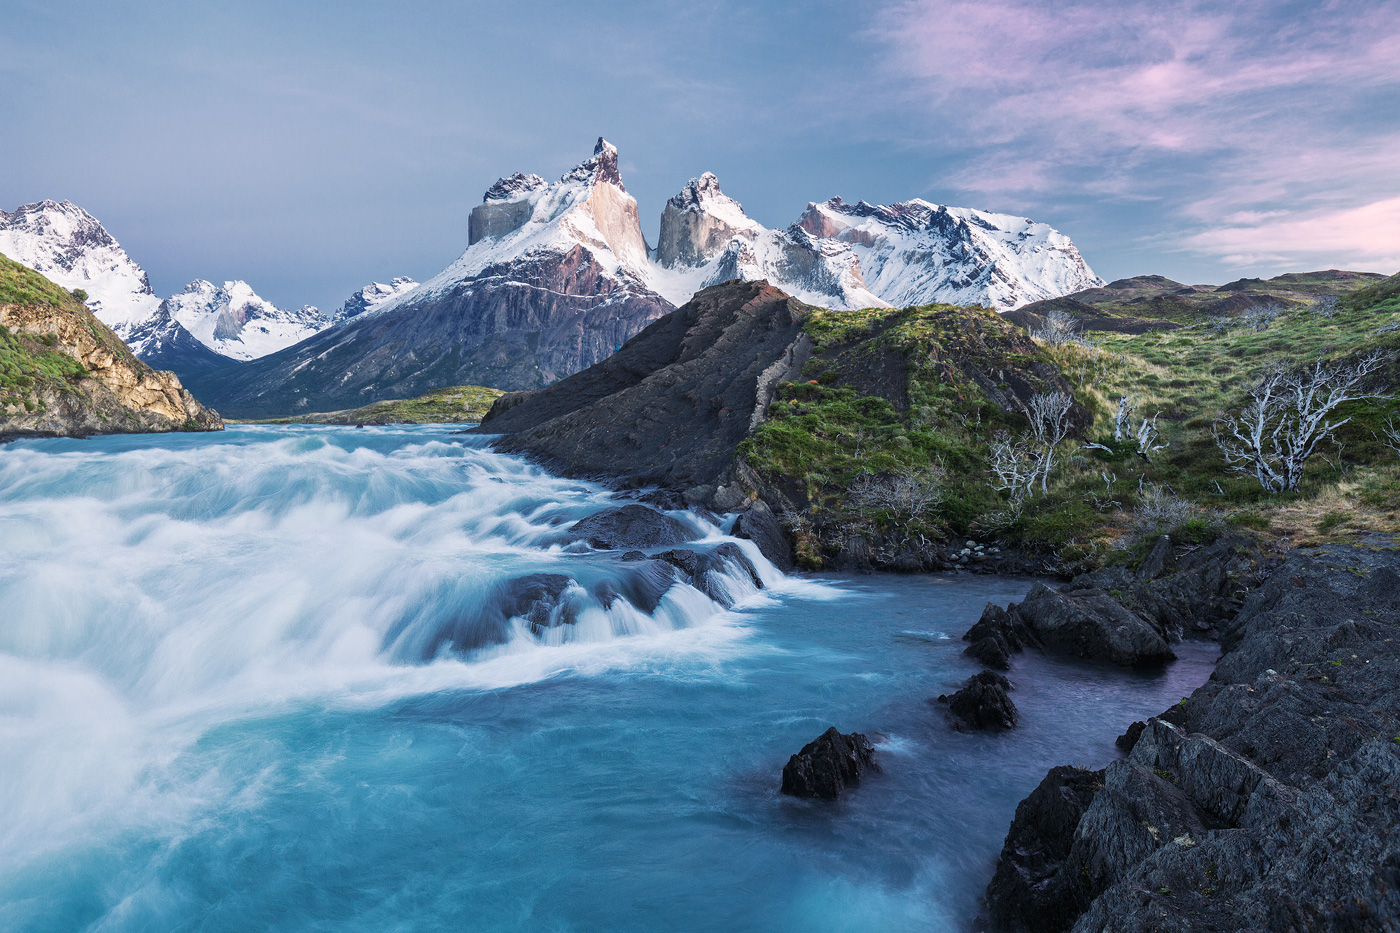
x=514 y=187
x=698 y=223
x=601 y=167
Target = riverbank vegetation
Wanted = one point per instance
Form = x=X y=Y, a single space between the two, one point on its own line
x=920 y=425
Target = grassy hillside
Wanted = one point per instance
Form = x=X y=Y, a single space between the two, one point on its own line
x=1147 y=302
x=454 y=405
x=889 y=438
x=63 y=372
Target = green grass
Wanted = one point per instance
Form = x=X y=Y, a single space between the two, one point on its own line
x=834 y=426
x=453 y=405
x=20 y=285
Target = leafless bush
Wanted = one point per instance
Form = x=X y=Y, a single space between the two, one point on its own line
x=1286 y=417
x=1391 y=435
x=907 y=494
x=1262 y=317
x=1325 y=306
x=1049 y=416
x=1014 y=466
x=1060 y=329
x=1161 y=511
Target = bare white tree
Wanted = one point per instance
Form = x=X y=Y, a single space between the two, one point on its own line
x=1261 y=317
x=1050 y=424
x=1059 y=329
x=1014 y=466
x=1391 y=433
x=1123 y=420
x=907 y=493
x=1287 y=414
x=1325 y=306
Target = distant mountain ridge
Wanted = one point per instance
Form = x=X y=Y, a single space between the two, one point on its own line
x=557 y=275
x=203 y=327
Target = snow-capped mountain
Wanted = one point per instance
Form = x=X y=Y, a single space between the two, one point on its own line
x=914 y=252
x=373 y=297
x=706 y=238
x=202 y=327
x=232 y=320
x=555 y=277
x=66 y=244
x=853 y=256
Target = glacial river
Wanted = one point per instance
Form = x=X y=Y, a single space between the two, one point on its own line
x=229 y=701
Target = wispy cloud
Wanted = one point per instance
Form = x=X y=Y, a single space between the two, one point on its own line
x=1286 y=110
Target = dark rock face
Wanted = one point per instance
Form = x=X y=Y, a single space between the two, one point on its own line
x=759 y=525
x=1087 y=624
x=1029 y=892
x=630 y=526
x=827 y=766
x=1125 y=616
x=702 y=570
x=1095 y=626
x=1271 y=800
x=672 y=405
x=982 y=704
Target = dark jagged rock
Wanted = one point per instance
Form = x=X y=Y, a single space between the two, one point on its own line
x=629 y=526
x=759 y=525
x=1193 y=591
x=1128 y=739
x=634 y=556
x=1094 y=626
x=670 y=406
x=699 y=570
x=983 y=704
x=827 y=766
x=1030 y=892
x=1269 y=800
x=534 y=598
x=997 y=634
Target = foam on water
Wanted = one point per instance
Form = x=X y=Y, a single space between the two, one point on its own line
x=229 y=700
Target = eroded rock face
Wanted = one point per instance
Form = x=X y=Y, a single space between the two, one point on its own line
x=672 y=405
x=1030 y=893
x=983 y=704
x=118 y=395
x=1269 y=800
x=630 y=526
x=826 y=767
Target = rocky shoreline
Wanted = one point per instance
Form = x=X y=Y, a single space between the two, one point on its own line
x=1267 y=800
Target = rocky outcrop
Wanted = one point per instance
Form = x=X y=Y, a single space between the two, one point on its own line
x=630 y=526
x=1123 y=616
x=1265 y=800
x=71 y=376
x=827 y=766
x=758 y=524
x=982 y=704
x=1030 y=891
x=698 y=223
x=671 y=406
x=1086 y=624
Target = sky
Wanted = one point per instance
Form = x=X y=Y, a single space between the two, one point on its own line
x=310 y=148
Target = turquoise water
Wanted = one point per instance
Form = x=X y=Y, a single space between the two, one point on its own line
x=225 y=705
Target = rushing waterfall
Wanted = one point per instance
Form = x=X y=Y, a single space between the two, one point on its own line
x=292 y=678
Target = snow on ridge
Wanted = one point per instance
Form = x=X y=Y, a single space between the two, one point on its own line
x=63 y=242
x=233 y=320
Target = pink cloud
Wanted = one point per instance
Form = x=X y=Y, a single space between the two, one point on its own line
x=1365 y=237
x=1238 y=110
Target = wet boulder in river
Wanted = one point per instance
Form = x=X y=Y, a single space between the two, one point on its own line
x=630 y=526
x=827 y=766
